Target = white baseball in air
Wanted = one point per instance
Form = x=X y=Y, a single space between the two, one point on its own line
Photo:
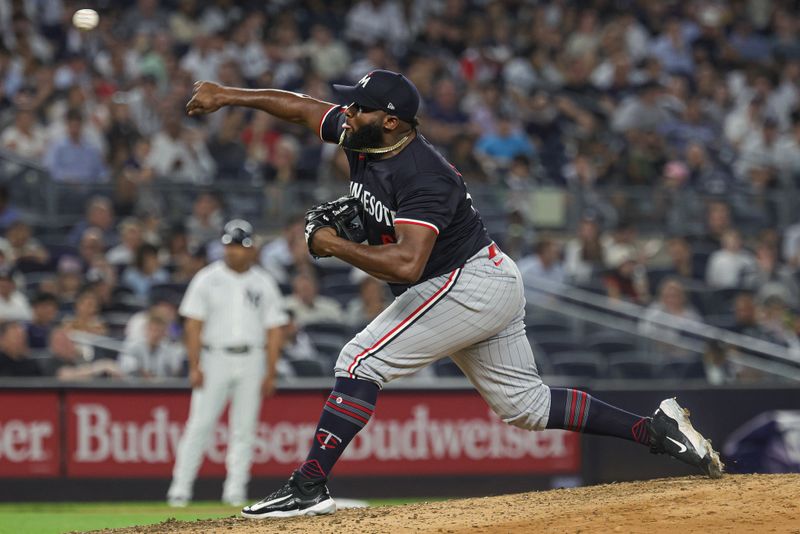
x=85 y=19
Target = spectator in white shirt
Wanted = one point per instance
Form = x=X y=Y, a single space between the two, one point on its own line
x=155 y=356
x=308 y=305
x=14 y=304
x=25 y=137
x=728 y=266
x=180 y=154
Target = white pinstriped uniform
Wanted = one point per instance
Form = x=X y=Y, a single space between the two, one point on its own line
x=473 y=314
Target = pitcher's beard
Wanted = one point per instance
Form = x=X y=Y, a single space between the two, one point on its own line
x=368 y=136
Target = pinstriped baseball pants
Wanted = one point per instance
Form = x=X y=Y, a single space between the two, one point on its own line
x=473 y=314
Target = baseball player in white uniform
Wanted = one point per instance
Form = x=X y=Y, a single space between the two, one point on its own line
x=234 y=313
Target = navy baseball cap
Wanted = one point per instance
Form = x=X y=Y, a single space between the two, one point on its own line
x=238 y=232
x=385 y=90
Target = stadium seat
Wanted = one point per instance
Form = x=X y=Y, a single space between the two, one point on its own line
x=631 y=365
x=579 y=363
x=689 y=369
x=548 y=326
x=328 y=345
x=720 y=300
x=308 y=368
x=552 y=343
x=339 y=329
x=607 y=342
x=343 y=294
x=721 y=320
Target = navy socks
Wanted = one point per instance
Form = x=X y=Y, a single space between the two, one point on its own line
x=575 y=410
x=346 y=411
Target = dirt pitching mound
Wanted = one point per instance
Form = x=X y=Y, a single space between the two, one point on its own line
x=736 y=503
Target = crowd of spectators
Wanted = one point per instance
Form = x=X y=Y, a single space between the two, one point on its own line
x=671 y=128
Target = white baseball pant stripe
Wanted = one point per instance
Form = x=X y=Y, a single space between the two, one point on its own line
x=473 y=314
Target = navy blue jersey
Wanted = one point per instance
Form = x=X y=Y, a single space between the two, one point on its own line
x=416 y=186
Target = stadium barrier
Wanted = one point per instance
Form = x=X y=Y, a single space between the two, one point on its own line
x=86 y=443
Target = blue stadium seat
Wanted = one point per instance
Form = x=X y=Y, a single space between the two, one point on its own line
x=689 y=369
x=308 y=368
x=552 y=343
x=609 y=341
x=328 y=328
x=548 y=326
x=631 y=365
x=579 y=363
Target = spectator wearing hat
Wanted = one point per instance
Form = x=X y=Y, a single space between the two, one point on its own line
x=14 y=304
x=14 y=351
x=145 y=272
x=44 y=318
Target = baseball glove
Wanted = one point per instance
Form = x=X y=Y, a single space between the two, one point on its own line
x=342 y=214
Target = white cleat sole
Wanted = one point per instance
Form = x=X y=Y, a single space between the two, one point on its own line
x=322 y=508
x=673 y=410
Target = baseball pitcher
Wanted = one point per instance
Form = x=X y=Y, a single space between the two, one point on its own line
x=456 y=293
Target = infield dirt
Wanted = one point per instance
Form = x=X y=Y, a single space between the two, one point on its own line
x=735 y=503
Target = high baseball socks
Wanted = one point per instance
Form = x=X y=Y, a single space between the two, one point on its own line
x=571 y=409
x=346 y=411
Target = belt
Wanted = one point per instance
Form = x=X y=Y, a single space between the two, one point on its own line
x=236 y=349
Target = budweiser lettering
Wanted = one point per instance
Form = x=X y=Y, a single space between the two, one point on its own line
x=100 y=438
x=23 y=441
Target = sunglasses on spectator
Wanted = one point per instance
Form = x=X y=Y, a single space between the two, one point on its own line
x=361 y=108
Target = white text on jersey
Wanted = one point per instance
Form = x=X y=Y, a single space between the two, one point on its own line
x=372 y=206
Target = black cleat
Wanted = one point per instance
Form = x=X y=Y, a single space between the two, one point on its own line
x=299 y=496
x=671 y=433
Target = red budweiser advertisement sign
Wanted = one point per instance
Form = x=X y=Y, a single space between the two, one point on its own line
x=135 y=433
x=29 y=434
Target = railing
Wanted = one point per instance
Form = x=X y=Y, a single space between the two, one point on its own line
x=585 y=306
x=653 y=209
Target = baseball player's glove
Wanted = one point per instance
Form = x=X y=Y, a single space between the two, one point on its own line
x=342 y=214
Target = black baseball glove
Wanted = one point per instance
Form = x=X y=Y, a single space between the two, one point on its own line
x=342 y=214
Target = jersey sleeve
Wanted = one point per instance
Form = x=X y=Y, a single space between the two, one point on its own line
x=330 y=127
x=194 y=304
x=428 y=200
x=275 y=309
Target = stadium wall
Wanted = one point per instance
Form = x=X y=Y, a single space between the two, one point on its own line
x=62 y=443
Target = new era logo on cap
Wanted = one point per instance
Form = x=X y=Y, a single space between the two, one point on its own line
x=386 y=90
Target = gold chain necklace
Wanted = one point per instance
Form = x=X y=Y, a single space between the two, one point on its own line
x=381 y=150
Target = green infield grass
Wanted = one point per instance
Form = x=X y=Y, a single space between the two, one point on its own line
x=51 y=518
